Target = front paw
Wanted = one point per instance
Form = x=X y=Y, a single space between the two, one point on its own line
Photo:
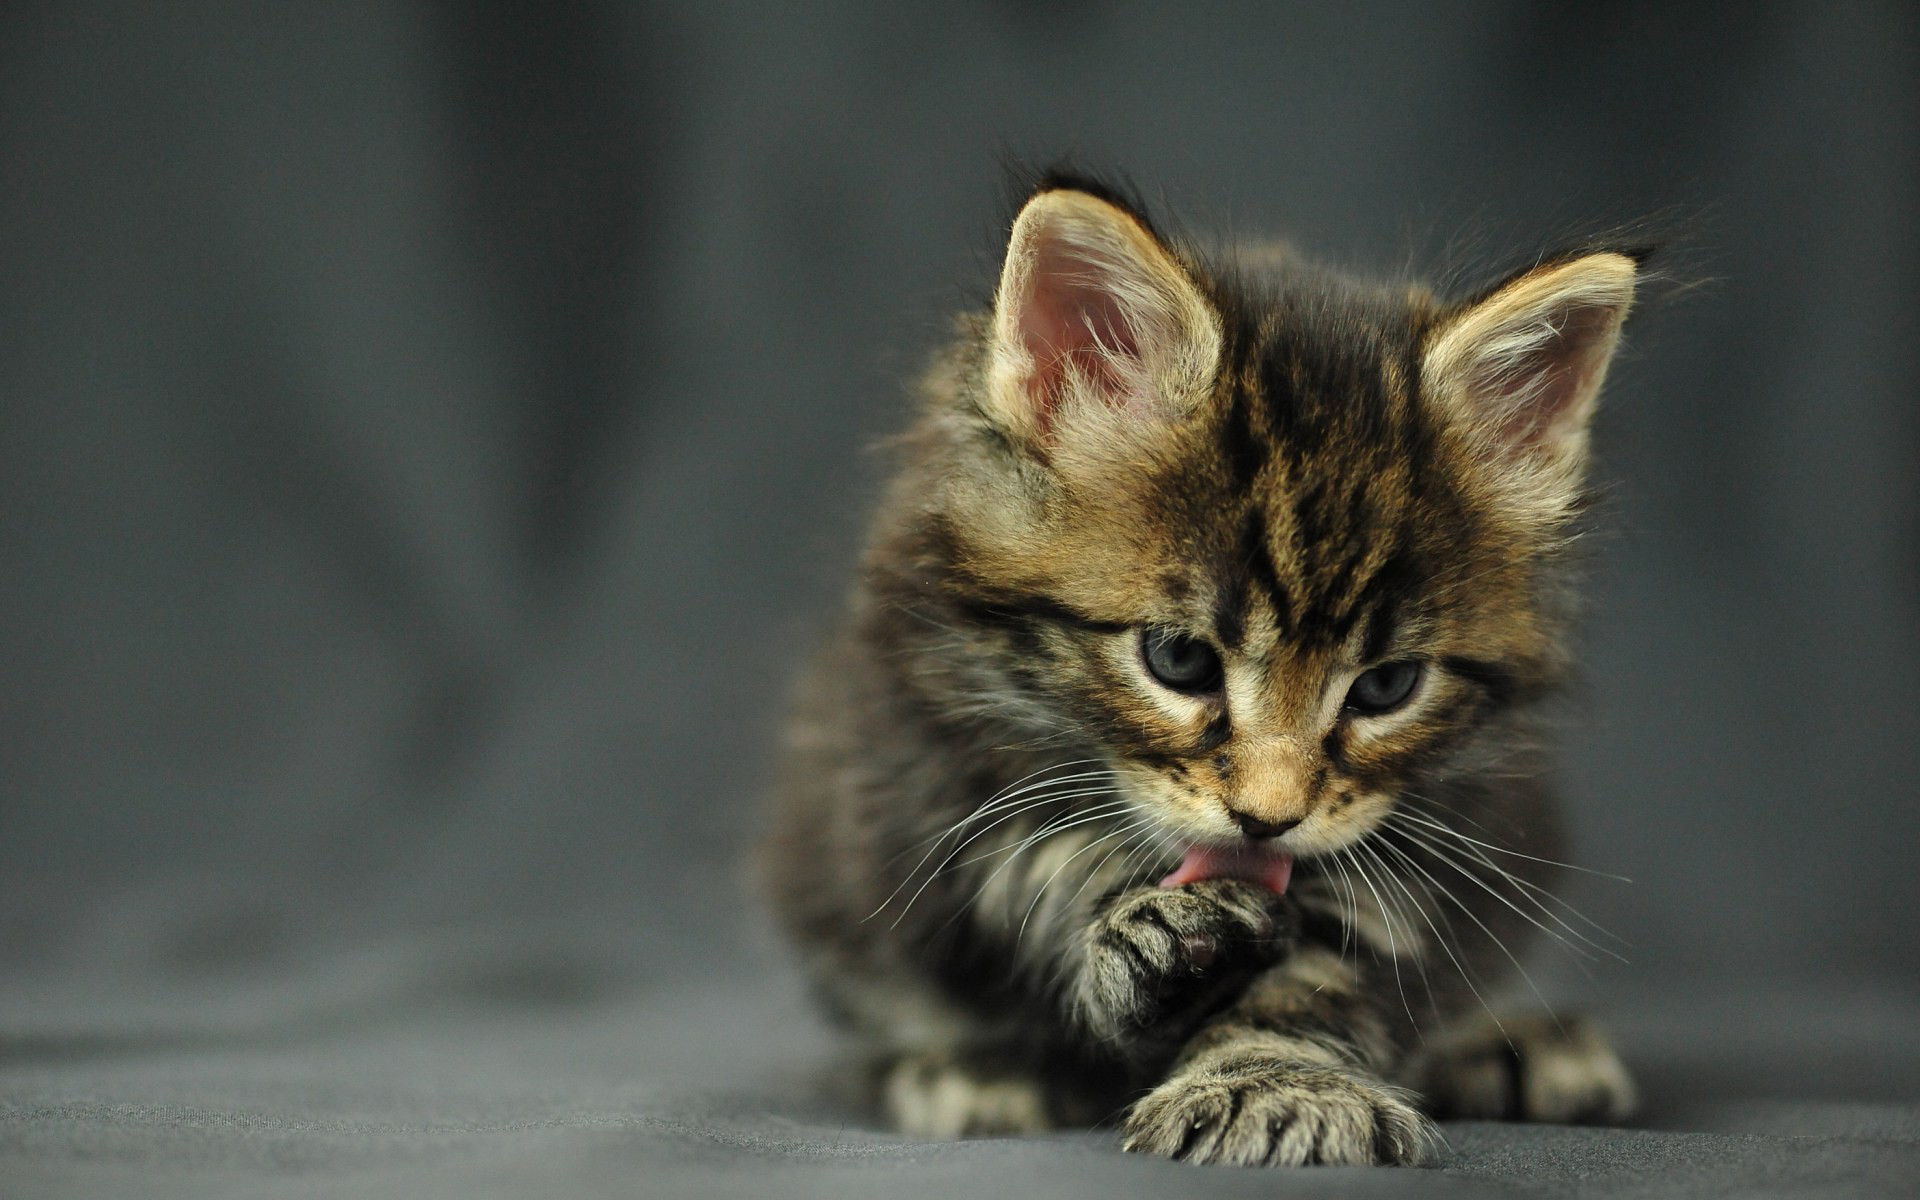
x=1159 y=959
x=1255 y=1110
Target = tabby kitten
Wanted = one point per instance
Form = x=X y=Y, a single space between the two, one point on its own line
x=1178 y=763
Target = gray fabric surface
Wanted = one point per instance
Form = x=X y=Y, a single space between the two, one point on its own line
x=431 y=434
x=500 y=1083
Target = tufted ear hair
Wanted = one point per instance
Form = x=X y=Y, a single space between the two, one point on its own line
x=1519 y=370
x=1094 y=318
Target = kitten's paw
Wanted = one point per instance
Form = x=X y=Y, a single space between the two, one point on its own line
x=1160 y=958
x=1255 y=1110
x=934 y=1096
x=1535 y=1069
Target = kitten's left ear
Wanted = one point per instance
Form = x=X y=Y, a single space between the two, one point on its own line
x=1096 y=325
x=1519 y=371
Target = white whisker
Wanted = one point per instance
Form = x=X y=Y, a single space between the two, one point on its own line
x=1441 y=853
x=1393 y=949
x=1426 y=820
x=1466 y=975
x=1001 y=801
x=1040 y=892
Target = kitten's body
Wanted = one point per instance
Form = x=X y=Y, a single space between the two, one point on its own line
x=1127 y=650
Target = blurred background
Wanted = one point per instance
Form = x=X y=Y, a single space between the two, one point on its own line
x=432 y=435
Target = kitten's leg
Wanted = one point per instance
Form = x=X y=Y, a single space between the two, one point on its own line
x=1286 y=1077
x=944 y=1094
x=1527 y=1068
x=1156 y=962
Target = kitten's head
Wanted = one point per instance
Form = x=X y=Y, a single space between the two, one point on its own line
x=1278 y=547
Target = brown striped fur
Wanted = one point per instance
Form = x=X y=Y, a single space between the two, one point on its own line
x=1313 y=477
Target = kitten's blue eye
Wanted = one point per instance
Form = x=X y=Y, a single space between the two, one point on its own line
x=1384 y=688
x=1182 y=663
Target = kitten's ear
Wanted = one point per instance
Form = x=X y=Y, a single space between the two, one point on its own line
x=1094 y=317
x=1519 y=371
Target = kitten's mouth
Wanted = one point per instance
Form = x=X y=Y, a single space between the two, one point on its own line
x=1270 y=869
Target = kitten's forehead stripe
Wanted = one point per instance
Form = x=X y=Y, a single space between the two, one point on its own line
x=1315 y=443
x=1243 y=452
x=1371 y=598
x=1254 y=556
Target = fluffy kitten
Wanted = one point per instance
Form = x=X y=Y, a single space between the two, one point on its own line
x=1177 y=763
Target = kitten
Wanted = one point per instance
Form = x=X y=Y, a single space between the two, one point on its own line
x=1179 y=761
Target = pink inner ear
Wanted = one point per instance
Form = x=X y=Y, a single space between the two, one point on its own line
x=1554 y=380
x=1071 y=320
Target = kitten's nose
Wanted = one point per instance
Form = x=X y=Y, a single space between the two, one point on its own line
x=1254 y=827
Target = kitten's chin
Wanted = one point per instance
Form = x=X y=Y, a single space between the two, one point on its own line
x=1271 y=869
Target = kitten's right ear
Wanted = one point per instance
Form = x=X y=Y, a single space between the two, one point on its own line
x=1093 y=318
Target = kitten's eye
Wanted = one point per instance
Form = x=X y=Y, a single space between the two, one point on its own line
x=1384 y=688
x=1182 y=663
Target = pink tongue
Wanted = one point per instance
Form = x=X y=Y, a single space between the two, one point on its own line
x=1269 y=870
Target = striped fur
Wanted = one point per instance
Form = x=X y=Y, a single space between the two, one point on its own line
x=985 y=781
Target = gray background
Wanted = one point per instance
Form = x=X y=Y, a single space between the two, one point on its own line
x=430 y=436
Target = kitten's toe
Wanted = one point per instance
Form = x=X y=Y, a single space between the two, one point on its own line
x=1258 y=1111
x=936 y=1097
x=1529 y=1068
